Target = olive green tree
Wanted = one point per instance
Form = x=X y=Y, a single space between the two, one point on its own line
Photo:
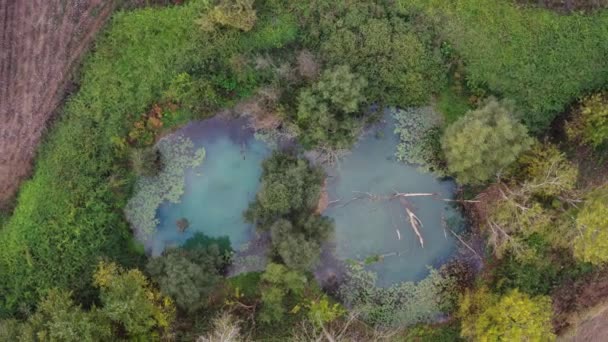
x=289 y=186
x=131 y=302
x=590 y=122
x=238 y=14
x=276 y=283
x=483 y=142
x=328 y=112
x=591 y=243
x=188 y=276
x=512 y=317
x=58 y=318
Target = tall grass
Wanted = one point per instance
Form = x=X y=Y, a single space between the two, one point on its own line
x=540 y=59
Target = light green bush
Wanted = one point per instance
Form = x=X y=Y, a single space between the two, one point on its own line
x=483 y=142
x=590 y=122
x=591 y=244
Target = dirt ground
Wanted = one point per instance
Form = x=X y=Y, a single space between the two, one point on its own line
x=40 y=43
x=590 y=326
x=567 y=6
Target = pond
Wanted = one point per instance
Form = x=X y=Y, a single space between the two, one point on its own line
x=371 y=222
x=217 y=192
x=370 y=225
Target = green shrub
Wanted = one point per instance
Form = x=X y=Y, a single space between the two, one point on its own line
x=401 y=304
x=290 y=186
x=590 y=123
x=238 y=14
x=484 y=142
x=272 y=32
x=591 y=244
x=188 y=276
x=278 y=282
x=392 y=52
x=327 y=113
x=512 y=317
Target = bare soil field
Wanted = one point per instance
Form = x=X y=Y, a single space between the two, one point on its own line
x=40 y=43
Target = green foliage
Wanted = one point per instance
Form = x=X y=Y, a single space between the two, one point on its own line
x=546 y=171
x=540 y=59
x=591 y=245
x=178 y=154
x=272 y=32
x=327 y=113
x=431 y=333
x=200 y=241
x=452 y=105
x=190 y=93
x=285 y=206
x=322 y=311
x=392 y=52
x=418 y=130
x=536 y=208
x=299 y=244
x=188 y=276
x=401 y=304
x=238 y=14
x=590 y=123
x=59 y=319
x=246 y=284
x=129 y=300
x=511 y=317
x=130 y=309
x=536 y=277
x=289 y=186
x=295 y=250
x=483 y=142
x=146 y=162
x=70 y=212
x=278 y=282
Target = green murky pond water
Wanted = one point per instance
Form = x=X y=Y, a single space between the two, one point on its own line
x=217 y=193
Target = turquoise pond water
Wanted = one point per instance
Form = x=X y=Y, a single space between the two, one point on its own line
x=367 y=227
x=218 y=191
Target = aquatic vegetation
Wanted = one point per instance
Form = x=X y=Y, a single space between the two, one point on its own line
x=178 y=154
x=417 y=139
x=405 y=303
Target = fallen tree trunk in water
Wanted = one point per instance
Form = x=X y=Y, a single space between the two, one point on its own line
x=414 y=222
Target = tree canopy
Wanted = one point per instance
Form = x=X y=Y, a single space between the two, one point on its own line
x=484 y=142
x=512 y=317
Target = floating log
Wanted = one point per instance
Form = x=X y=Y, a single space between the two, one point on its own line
x=414 y=221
